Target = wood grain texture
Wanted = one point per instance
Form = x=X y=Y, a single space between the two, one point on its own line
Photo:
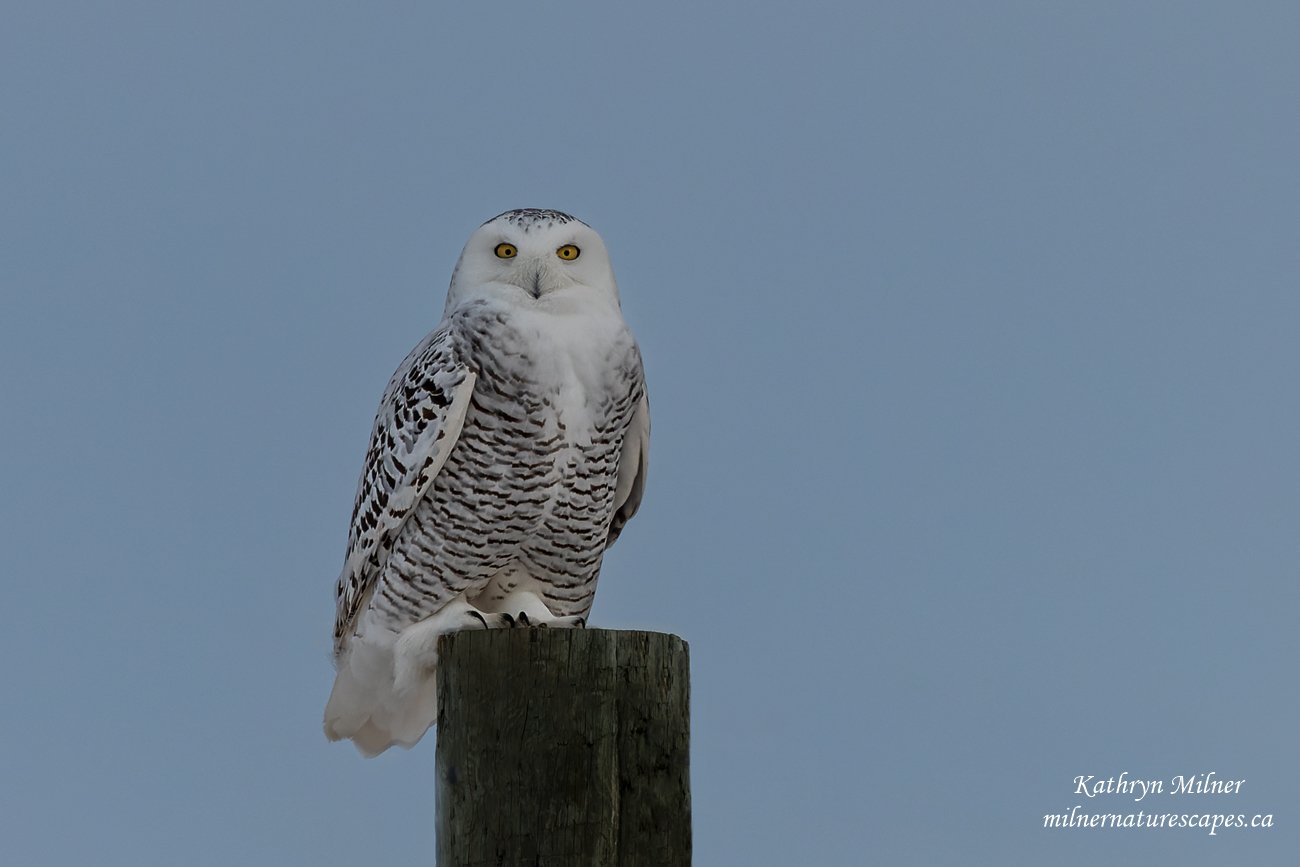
x=563 y=747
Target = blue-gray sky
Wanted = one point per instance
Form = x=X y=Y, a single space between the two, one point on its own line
x=971 y=334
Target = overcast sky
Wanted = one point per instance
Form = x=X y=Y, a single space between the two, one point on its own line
x=971 y=336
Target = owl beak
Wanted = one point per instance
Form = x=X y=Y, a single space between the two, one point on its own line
x=535 y=277
x=534 y=280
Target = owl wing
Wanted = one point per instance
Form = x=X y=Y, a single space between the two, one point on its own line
x=419 y=420
x=632 y=463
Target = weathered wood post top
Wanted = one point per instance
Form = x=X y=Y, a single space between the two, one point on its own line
x=562 y=747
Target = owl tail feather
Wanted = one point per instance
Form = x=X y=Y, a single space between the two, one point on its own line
x=374 y=707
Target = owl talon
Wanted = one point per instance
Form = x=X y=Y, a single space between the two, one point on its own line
x=523 y=619
x=486 y=620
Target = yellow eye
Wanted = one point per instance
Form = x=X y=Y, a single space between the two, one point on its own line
x=568 y=252
x=506 y=251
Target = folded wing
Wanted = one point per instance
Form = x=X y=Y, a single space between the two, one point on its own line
x=419 y=420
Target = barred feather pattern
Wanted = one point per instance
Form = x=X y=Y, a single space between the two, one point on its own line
x=527 y=491
x=409 y=443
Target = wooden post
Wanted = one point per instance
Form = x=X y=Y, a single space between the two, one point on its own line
x=562 y=747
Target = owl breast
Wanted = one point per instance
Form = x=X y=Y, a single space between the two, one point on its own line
x=526 y=496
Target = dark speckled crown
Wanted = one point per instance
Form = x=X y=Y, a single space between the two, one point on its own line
x=527 y=218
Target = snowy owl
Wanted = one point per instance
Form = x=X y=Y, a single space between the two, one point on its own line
x=508 y=453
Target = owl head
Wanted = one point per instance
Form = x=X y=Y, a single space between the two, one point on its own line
x=535 y=258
